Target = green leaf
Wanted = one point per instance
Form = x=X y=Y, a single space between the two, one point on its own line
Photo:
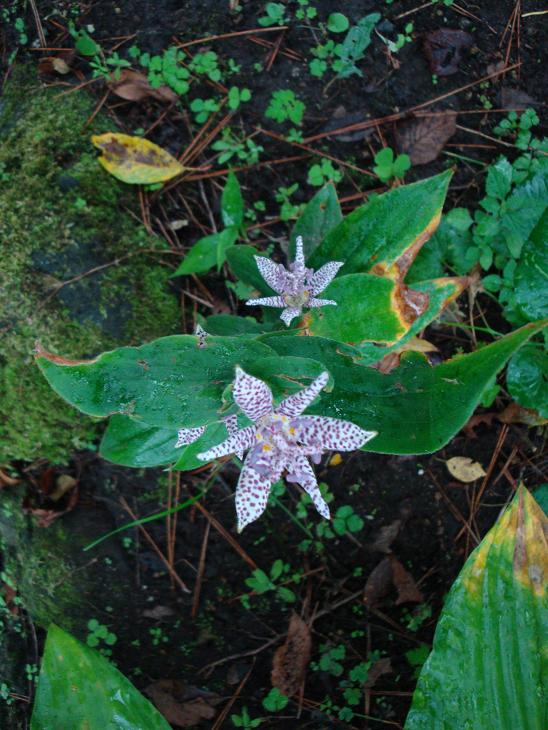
x=321 y=214
x=531 y=275
x=499 y=179
x=171 y=382
x=373 y=235
x=230 y=324
x=275 y=701
x=527 y=378
x=214 y=434
x=488 y=662
x=354 y=45
x=78 y=688
x=208 y=252
x=133 y=443
x=337 y=23
x=232 y=203
x=241 y=260
x=416 y=408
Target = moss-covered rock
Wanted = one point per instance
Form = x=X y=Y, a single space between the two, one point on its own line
x=62 y=216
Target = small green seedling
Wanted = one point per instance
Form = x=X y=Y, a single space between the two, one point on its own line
x=284 y=105
x=387 y=167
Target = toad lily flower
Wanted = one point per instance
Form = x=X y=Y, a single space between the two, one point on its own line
x=297 y=286
x=281 y=440
x=187 y=436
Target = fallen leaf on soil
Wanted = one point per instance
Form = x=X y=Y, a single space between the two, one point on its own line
x=47 y=516
x=182 y=706
x=134 y=86
x=392 y=360
x=424 y=138
x=380 y=667
x=474 y=421
x=290 y=660
x=408 y=591
x=158 y=612
x=135 y=160
x=386 y=537
x=378 y=583
x=464 y=469
x=514 y=413
x=335 y=460
x=515 y=99
x=53 y=65
x=443 y=49
x=63 y=484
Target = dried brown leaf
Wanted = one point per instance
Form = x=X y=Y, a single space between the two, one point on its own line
x=475 y=421
x=134 y=86
x=53 y=65
x=424 y=138
x=443 y=49
x=6 y=480
x=392 y=360
x=290 y=660
x=514 y=413
x=386 y=537
x=182 y=706
x=379 y=582
x=380 y=667
x=515 y=99
x=404 y=582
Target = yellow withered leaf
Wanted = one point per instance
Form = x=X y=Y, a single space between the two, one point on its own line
x=464 y=469
x=135 y=160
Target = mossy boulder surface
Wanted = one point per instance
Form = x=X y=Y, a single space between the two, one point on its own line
x=64 y=219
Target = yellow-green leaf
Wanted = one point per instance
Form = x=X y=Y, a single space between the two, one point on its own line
x=135 y=160
x=489 y=661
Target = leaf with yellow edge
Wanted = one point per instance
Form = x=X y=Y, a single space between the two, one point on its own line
x=489 y=661
x=135 y=160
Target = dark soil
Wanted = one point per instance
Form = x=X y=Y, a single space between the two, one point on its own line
x=218 y=644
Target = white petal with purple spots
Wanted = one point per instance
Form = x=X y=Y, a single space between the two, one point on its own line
x=252 y=395
x=272 y=273
x=295 y=404
x=187 y=436
x=331 y=433
x=251 y=495
x=320 y=302
x=289 y=314
x=324 y=276
x=266 y=302
x=233 y=444
x=302 y=473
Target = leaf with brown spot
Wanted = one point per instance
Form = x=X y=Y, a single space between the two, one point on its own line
x=290 y=660
x=135 y=86
x=408 y=592
x=443 y=49
x=180 y=705
x=135 y=160
x=424 y=138
x=392 y=360
x=465 y=469
x=514 y=413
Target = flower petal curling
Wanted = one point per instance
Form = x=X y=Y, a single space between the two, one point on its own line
x=303 y=474
x=252 y=395
x=251 y=495
x=295 y=404
x=232 y=445
x=288 y=314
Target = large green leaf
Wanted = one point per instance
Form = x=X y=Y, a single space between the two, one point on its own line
x=78 y=688
x=241 y=260
x=321 y=214
x=416 y=408
x=388 y=226
x=527 y=378
x=531 y=275
x=170 y=382
x=489 y=663
x=134 y=443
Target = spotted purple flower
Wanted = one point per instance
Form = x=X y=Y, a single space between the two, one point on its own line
x=281 y=440
x=297 y=286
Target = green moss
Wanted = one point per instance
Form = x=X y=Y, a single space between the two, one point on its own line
x=62 y=215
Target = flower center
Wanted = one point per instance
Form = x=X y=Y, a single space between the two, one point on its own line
x=274 y=431
x=297 y=300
